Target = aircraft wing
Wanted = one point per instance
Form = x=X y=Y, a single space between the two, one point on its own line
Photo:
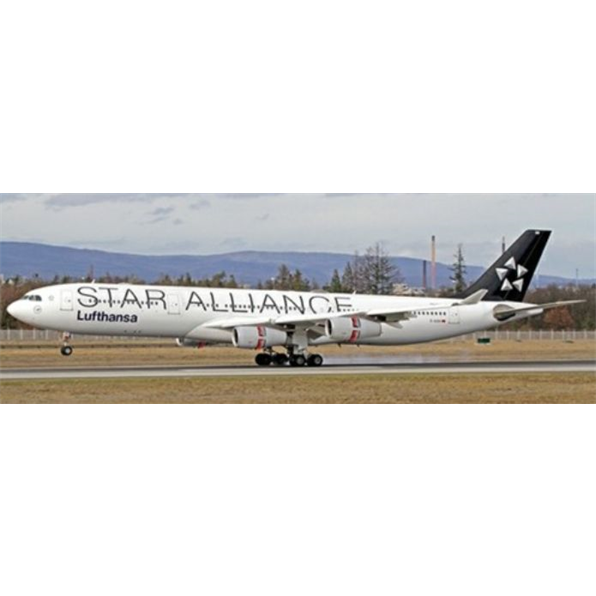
x=309 y=320
x=393 y=315
x=399 y=314
x=280 y=321
x=312 y=320
x=239 y=322
x=389 y=315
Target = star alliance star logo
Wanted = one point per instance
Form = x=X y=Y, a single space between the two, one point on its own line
x=515 y=281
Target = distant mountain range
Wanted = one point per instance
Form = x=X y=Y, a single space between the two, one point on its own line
x=249 y=267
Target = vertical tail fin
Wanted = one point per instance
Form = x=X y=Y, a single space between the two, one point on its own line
x=510 y=276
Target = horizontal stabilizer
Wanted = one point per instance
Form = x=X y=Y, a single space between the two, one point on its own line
x=503 y=313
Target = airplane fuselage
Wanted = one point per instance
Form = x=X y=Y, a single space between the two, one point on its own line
x=188 y=312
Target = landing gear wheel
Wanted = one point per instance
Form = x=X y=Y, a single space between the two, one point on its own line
x=66 y=350
x=315 y=360
x=280 y=359
x=263 y=359
x=298 y=360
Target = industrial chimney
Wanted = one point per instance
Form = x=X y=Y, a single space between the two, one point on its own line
x=433 y=269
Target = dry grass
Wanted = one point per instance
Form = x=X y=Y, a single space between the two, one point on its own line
x=132 y=354
x=337 y=389
x=415 y=388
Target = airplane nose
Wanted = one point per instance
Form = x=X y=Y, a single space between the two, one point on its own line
x=16 y=310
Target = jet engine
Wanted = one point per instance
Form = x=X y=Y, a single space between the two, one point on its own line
x=258 y=338
x=352 y=329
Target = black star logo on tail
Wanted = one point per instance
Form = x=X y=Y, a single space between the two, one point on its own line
x=512 y=276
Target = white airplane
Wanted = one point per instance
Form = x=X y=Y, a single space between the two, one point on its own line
x=294 y=322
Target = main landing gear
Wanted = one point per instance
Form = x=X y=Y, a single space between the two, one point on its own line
x=66 y=349
x=296 y=360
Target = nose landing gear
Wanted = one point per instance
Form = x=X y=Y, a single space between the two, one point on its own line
x=66 y=349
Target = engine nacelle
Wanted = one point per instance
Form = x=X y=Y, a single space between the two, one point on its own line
x=258 y=338
x=352 y=330
x=183 y=342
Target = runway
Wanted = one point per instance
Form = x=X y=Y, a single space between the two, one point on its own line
x=466 y=368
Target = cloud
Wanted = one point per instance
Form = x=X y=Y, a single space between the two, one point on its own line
x=327 y=222
x=13 y=197
x=161 y=214
x=200 y=204
x=201 y=200
x=62 y=201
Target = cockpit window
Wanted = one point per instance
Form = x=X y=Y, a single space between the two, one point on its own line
x=33 y=297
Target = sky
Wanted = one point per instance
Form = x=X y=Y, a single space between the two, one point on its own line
x=171 y=223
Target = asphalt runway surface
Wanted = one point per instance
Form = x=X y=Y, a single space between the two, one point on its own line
x=479 y=368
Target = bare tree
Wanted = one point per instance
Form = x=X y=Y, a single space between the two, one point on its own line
x=459 y=271
x=373 y=273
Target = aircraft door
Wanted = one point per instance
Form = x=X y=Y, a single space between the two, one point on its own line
x=173 y=304
x=454 y=315
x=66 y=300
